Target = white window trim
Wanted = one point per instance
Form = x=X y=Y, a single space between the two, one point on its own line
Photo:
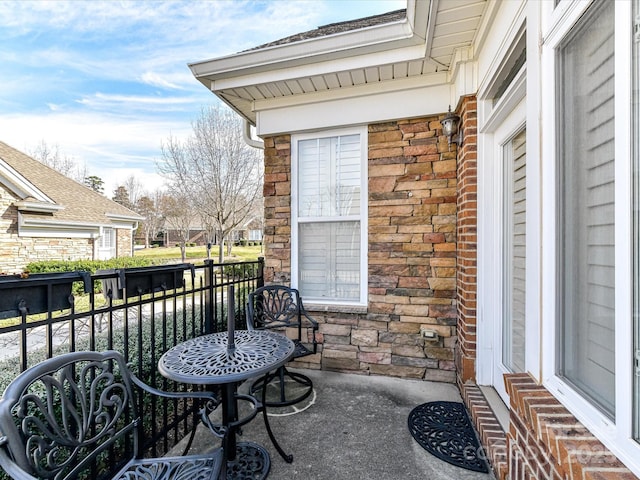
x=616 y=434
x=490 y=119
x=491 y=236
x=363 y=217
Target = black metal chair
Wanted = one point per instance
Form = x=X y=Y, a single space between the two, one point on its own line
x=74 y=416
x=278 y=307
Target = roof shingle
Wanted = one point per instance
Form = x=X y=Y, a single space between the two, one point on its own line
x=81 y=204
x=339 y=27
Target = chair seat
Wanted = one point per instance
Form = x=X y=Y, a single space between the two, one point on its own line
x=301 y=350
x=192 y=467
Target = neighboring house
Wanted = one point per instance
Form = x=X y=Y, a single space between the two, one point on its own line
x=514 y=247
x=47 y=216
x=250 y=230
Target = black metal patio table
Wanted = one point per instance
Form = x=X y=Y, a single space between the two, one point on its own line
x=227 y=359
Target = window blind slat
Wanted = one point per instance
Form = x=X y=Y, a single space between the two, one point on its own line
x=515 y=251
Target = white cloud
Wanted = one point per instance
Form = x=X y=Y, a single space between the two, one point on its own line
x=118 y=102
x=106 y=144
x=159 y=80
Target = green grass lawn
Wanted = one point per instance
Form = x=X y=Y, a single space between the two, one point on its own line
x=238 y=253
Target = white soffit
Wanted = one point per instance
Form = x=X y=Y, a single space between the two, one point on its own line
x=390 y=54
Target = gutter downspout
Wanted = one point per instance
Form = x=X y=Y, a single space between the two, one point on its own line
x=248 y=139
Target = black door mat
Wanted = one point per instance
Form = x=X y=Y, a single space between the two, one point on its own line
x=444 y=430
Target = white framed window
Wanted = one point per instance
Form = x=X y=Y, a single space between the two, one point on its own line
x=587 y=202
x=329 y=216
x=586 y=207
x=106 y=244
x=108 y=239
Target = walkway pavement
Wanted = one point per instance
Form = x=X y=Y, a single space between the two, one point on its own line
x=354 y=429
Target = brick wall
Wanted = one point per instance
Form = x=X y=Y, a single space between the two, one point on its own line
x=546 y=441
x=412 y=249
x=492 y=436
x=467 y=242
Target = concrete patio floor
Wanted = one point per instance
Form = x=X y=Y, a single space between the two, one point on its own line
x=355 y=428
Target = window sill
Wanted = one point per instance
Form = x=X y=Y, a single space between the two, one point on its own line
x=330 y=308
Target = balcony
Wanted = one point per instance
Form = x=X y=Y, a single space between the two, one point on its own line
x=354 y=427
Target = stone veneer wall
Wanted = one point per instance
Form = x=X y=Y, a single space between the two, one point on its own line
x=411 y=258
x=124 y=239
x=16 y=252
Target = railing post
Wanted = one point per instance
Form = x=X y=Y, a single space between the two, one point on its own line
x=260 y=272
x=209 y=297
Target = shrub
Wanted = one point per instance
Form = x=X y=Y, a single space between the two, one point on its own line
x=60 y=266
x=240 y=270
x=51 y=266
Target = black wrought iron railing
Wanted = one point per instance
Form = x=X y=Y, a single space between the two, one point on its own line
x=141 y=312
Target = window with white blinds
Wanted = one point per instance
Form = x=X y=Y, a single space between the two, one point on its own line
x=586 y=210
x=514 y=252
x=329 y=177
x=108 y=239
x=328 y=217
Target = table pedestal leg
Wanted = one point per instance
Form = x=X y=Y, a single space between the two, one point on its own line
x=229 y=417
x=243 y=460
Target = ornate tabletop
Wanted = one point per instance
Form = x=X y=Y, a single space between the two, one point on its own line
x=209 y=360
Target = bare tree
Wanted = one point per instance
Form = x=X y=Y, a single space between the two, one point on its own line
x=179 y=214
x=216 y=169
x=52 y=157
x=135 y=188
x=150 y=207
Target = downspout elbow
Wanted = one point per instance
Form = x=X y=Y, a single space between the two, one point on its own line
x=248 y=139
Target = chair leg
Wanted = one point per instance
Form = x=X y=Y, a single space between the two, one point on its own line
x=280 y=376
x=286 y=457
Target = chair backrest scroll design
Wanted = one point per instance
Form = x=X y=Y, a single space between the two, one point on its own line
x=280 y=307
x=274 y=306
x=71 y=416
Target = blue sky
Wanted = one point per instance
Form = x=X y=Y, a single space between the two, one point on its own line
x=107 y=81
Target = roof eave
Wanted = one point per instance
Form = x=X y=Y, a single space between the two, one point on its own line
x=387 y=36
x=125 y=218
x=36 y=206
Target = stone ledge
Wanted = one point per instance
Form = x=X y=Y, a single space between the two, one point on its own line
x=329 y=308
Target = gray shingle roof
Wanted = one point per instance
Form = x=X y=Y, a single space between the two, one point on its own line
x=338 y=27
x=81 y=204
